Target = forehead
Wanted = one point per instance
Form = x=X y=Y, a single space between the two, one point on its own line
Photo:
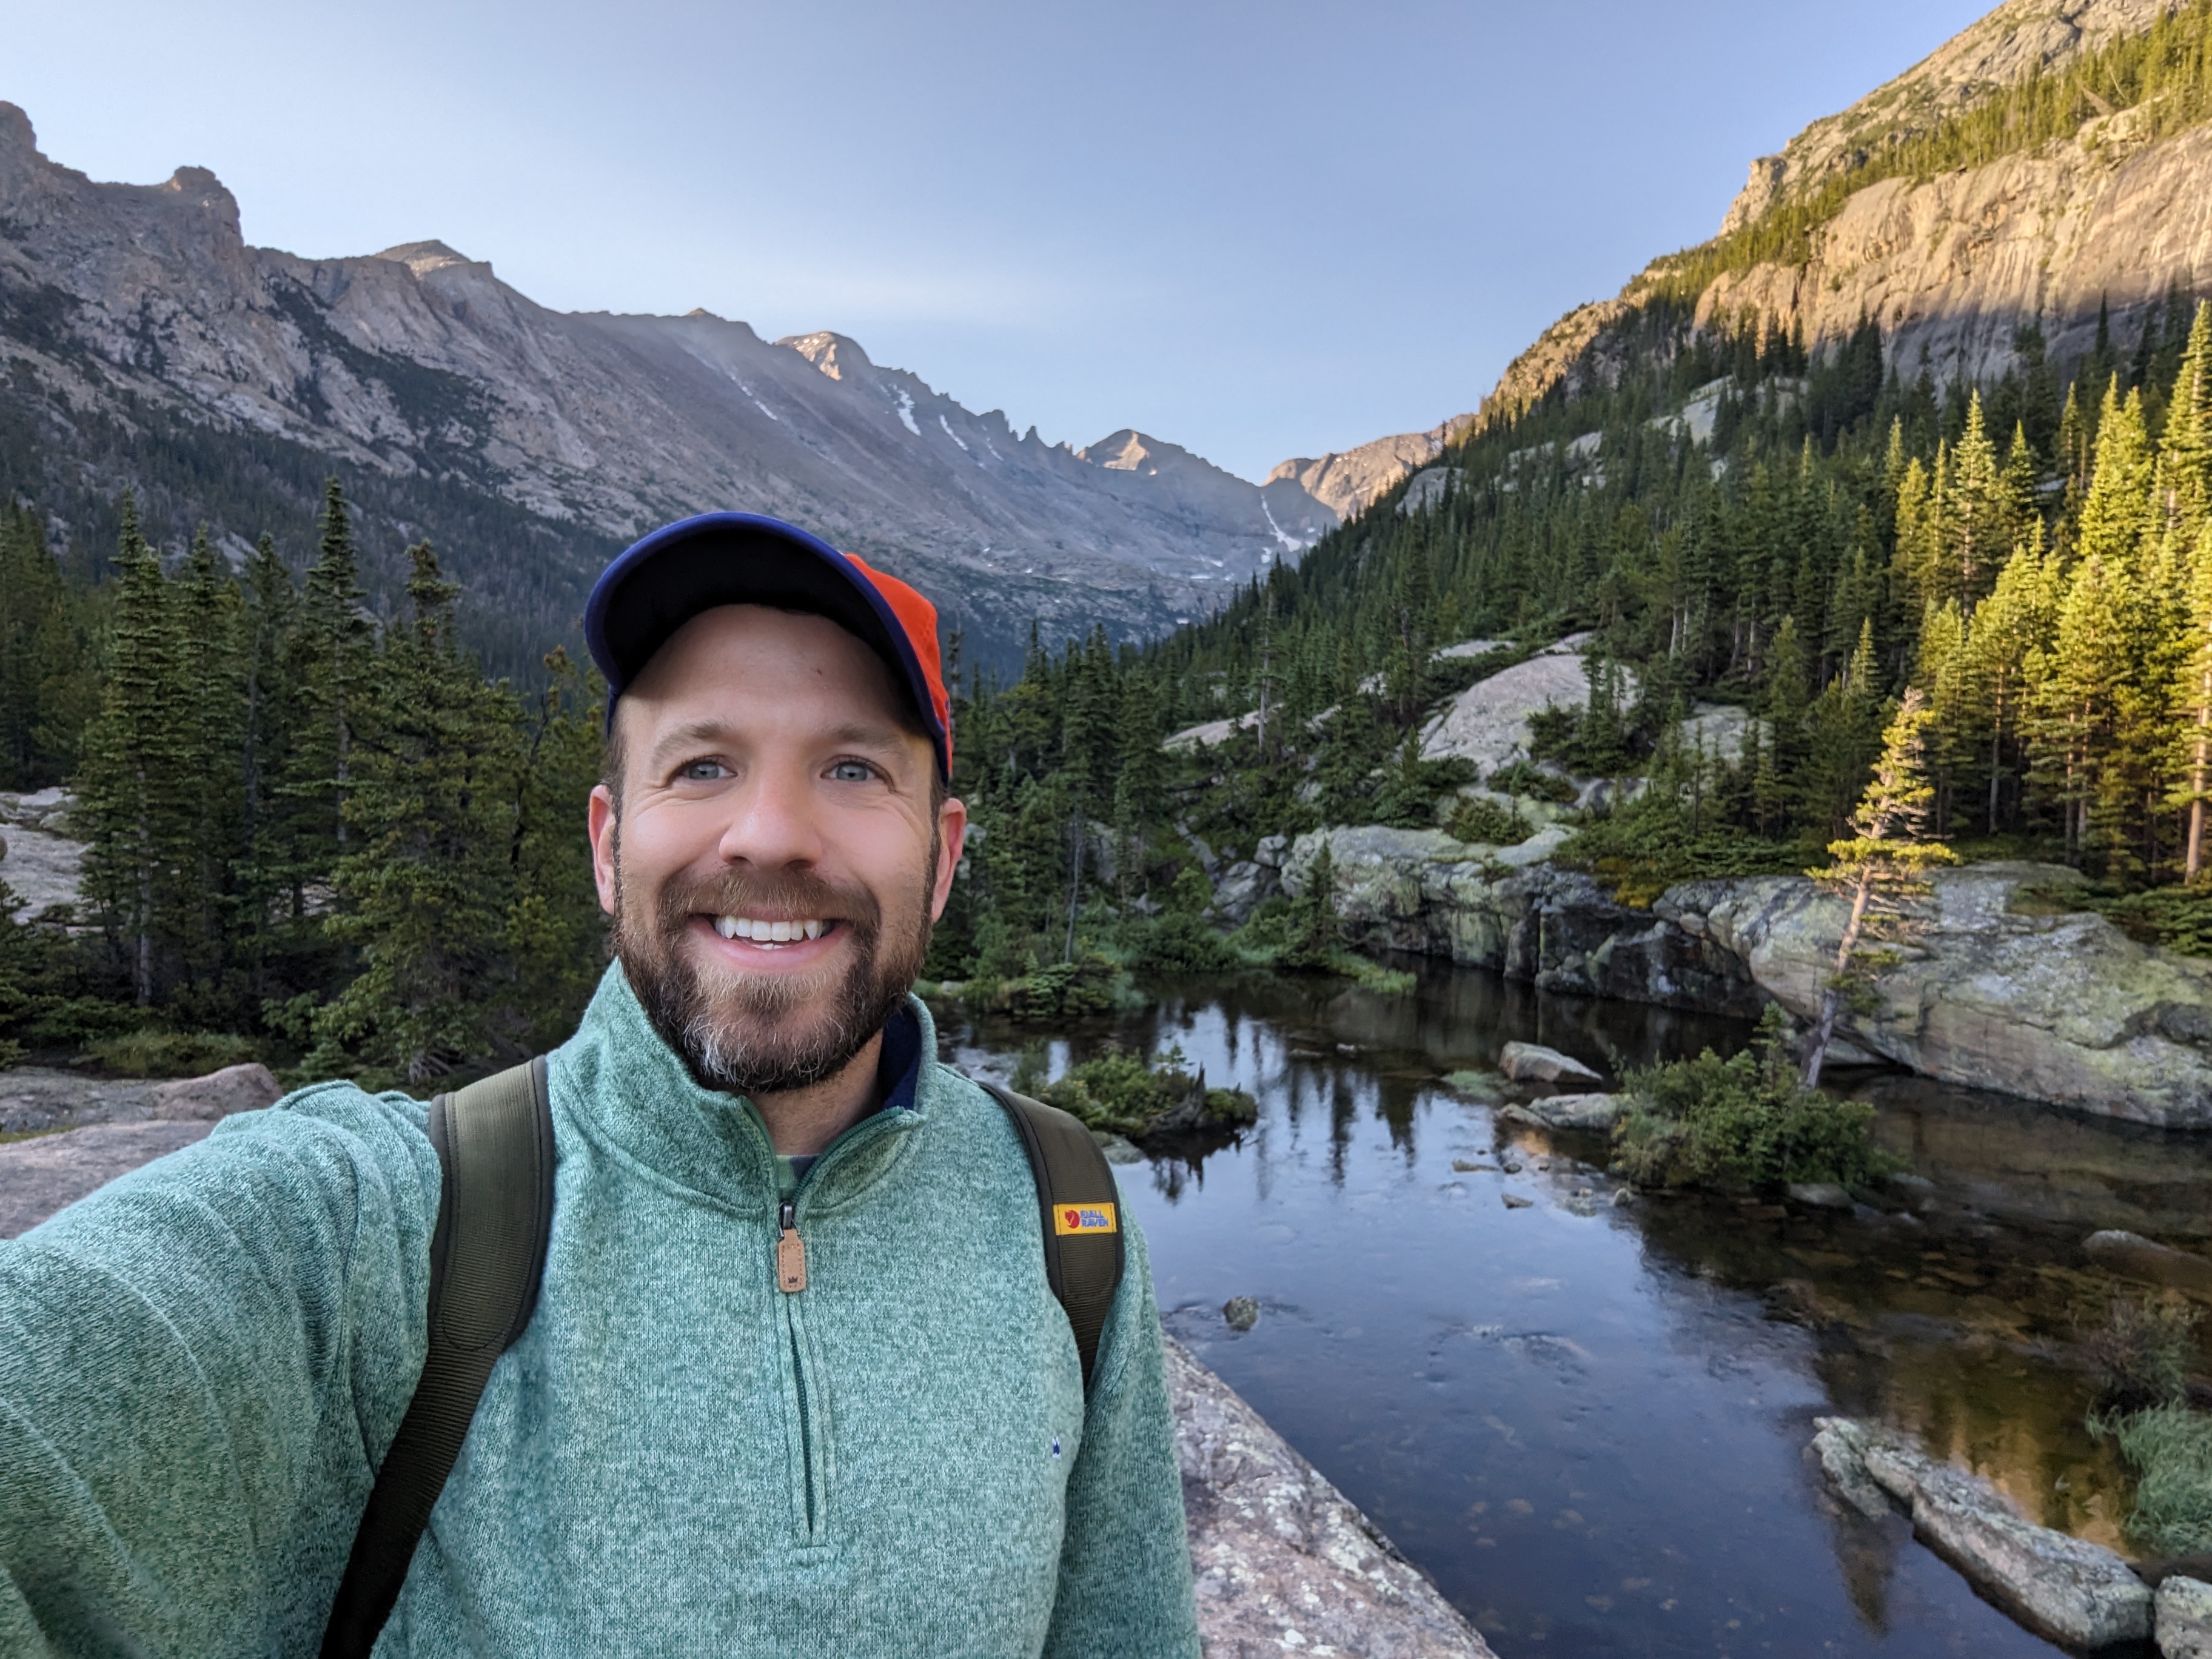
x=742 y=663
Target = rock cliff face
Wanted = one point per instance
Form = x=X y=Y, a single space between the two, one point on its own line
x=2065 y=1008
x=1951 y=267
x=1346 y=482
x=135 y=321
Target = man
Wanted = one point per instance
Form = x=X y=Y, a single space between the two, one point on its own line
x=795 y=1382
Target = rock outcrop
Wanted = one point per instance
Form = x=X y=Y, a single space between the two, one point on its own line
x=1284 y=1564
x=1949 y=267
x=41 y=865
x=42 y=1174
x=2065 y=1008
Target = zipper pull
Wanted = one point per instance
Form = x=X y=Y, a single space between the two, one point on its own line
x=790 y=1251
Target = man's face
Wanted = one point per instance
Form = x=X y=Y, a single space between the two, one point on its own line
x=777 y=863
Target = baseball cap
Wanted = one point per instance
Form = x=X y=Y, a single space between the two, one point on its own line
x=663 y=579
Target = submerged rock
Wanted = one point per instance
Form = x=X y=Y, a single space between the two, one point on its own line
x=1241 y=1313
x=1595 y=1113
x=2064 y=1588
x=1526 y=1062
x=2137 y=1257
x=1284 y=1563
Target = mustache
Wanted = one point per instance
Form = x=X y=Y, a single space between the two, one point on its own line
x=736 y=893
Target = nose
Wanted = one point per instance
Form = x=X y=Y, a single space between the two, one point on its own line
x=772 y=826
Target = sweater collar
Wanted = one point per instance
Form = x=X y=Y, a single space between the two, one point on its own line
x=634 y=1092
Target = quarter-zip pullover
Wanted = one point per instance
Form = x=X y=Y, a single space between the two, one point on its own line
x=845 y=1420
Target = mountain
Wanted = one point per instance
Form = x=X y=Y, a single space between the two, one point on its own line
x=1346 y=482
x=2048 y=166
x=144 y=342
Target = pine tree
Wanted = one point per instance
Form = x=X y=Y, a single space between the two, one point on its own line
x=138 y=799
x=208 y=610
x=2196 y=701
x=2116 y=512
x=429 y=877
x=1881 y=867
x=269 y=820
x=2184 y=461
x=329 y=674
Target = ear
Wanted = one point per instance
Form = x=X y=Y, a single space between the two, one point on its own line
x=952 y=835
x=601 y=824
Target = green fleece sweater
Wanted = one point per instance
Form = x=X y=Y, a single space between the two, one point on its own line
x=201 y=1365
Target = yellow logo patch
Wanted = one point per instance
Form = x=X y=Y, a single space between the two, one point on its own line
x=1085 y=1219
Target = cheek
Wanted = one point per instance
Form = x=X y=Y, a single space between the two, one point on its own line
x=664 y=841
x=890 y=853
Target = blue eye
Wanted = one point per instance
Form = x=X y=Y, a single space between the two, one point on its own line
x=702 y=771
x=851 y=771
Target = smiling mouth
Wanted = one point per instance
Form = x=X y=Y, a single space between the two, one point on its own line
x=755 y=931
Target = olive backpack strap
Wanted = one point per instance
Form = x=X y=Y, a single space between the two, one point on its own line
x=495 y=1141
x=1080 y=1208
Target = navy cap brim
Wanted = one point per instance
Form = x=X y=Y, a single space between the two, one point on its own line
x=663 y=581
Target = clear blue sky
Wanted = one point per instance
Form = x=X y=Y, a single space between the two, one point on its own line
x=1256 y=229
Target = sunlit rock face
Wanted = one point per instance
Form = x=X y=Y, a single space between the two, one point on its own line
x=2061 y=1008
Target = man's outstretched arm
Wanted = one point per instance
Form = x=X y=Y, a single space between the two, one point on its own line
x=1124 y=1591
x=198 y=1365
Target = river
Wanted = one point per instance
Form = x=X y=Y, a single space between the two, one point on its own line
x=1586 y=1420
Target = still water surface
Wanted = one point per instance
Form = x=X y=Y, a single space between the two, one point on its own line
x=1586 y=1420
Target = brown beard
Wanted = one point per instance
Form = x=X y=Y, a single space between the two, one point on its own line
x=747 y=1034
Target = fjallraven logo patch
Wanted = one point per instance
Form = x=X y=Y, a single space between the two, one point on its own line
x=1085 y=1219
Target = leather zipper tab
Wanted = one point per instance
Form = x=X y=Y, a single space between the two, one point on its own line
x=790 y=1251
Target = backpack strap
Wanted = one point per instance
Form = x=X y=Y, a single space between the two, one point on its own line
x=495 y=1143
x=1079 y=1205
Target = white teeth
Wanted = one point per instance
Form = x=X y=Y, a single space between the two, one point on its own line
x=769 y=933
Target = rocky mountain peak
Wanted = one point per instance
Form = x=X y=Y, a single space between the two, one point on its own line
x=530 y=442
x=1126 y=451
x=831 y=353
x=423 y=257
x=2018 y=39
x=15 y=133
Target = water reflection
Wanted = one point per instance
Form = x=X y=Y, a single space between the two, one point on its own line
x=1585 y=1419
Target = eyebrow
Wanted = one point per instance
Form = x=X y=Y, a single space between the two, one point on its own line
x=875 y=734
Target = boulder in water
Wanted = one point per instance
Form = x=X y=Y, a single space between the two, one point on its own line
x=1526 y=1062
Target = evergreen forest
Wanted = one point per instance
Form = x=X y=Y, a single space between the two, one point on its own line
x=331 y=841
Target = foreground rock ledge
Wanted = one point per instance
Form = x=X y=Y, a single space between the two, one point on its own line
x=1284 y=1564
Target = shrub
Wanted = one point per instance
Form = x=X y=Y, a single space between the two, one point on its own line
x=171 y=1053
x=1120 y=1094
x=1179 y=940
x=1488 y=821
x=2178 y=919
x=1521 y=778
x=2141 y=1353
x=1742 y=1121
x=2171 y=1450
x=1091 y=984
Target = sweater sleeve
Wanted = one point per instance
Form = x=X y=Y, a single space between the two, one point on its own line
x=199 y=1365
x=1124 y=1584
